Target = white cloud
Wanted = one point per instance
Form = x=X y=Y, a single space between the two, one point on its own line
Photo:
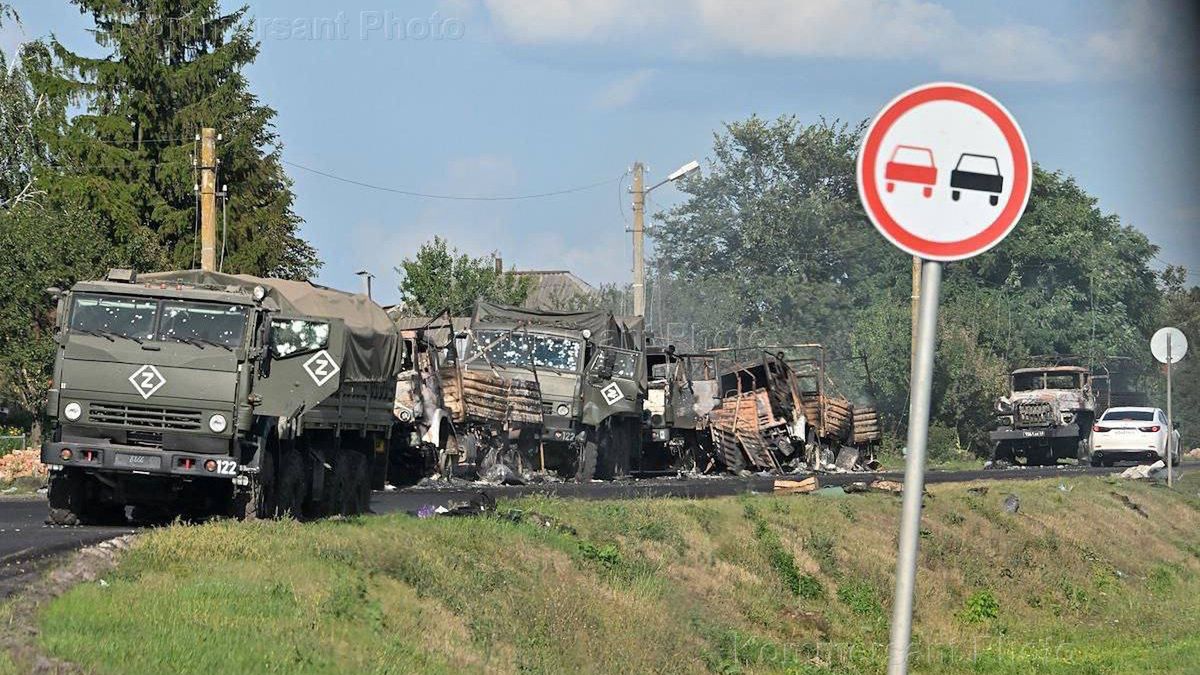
x=622 y=92
x=880 y=30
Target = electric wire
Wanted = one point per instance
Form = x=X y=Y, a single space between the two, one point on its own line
x=452 y=197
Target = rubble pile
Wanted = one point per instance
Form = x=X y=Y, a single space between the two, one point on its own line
x=25 y=463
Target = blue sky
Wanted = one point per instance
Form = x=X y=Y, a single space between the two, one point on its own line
x=503 y=97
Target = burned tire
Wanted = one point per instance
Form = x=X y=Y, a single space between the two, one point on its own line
x=617 y=438
x=1004 y=452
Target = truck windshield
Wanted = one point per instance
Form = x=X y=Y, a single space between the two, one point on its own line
x=202 y=322
x=523 y=349
x=108 y=315
x=1035 y=381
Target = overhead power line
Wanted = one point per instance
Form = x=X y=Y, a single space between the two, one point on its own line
x=453 y=197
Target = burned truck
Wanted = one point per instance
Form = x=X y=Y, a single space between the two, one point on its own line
x=681 y=392
x=776 y=413
x=1046 y=416
x=198 y=393
x=542 y=391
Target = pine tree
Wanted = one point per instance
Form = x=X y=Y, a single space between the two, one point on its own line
x=173 y=66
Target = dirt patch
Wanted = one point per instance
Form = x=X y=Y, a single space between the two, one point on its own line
x=87 y=565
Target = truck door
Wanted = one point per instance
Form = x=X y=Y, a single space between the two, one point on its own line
x=301 y=364
x=613 y=384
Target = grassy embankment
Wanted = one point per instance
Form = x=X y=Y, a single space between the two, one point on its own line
x=1104 y=577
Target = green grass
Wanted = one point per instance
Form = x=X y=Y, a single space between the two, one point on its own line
x=1076 y=582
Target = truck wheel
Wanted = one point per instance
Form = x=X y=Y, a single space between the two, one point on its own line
x=954 y=194
x=994 y=199
x=66 y=498
x=616 y=440
x=1003 y=452
x=585 y=462
x=291 y=483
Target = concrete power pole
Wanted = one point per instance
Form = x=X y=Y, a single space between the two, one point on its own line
x=639 y=234
x=208 y=199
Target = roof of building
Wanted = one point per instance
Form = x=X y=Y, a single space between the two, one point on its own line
x=554 y=289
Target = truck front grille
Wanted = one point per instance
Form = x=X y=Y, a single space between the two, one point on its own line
x=144 y=417
x=1034 y=414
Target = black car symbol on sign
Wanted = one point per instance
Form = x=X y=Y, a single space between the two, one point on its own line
x=981 y=174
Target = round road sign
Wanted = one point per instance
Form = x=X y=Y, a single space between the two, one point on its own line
x=1168 y=341
x=944 y=171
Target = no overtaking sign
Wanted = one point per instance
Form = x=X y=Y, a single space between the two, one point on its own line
x=944 y=172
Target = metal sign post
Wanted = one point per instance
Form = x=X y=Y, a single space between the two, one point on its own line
x=944 y=174
x=914 y=467
x=1170 y=421
x=1169 y=346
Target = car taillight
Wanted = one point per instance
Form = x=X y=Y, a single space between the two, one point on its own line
x=1150 y=429
x=1099 y=429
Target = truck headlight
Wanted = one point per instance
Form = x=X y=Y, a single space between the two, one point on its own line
x=217 y=423
x=259 y=293
x=563 y=409
x=72 y=411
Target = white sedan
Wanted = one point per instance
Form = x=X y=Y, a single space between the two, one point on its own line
x=1132 y=434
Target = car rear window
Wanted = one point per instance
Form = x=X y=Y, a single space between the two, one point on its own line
x=1129 y=416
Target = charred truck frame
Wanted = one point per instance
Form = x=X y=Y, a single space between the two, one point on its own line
x=547 y=391
x=198 y=392
x=776 y=412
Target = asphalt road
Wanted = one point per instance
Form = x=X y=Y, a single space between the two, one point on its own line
x=27 y=544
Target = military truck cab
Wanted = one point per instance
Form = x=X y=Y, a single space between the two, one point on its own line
x=550 y=391
x=1046 y=416
x=193 y=393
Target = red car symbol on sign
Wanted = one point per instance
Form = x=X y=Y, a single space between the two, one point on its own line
x=913 y=165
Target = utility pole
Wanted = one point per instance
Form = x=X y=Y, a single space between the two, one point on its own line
x=639 y=234
x=208 y=199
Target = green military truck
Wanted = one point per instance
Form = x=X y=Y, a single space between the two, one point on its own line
x=194 y=393
x=547 y=391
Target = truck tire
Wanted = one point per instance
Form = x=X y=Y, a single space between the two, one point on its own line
x=1004 y=452
x=71 y=503
x=617 y=437
x=585 y=462
x=66 y=498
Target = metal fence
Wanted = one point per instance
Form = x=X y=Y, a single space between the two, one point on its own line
x=10 y=443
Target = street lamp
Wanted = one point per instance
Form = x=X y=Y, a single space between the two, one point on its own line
x=366 y=278
x=639 y=226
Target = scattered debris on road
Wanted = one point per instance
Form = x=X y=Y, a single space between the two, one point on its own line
x=791 y=487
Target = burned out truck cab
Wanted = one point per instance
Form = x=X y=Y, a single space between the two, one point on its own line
x=1046 y=416
x=557 y=391
x=194 y=393
x=681 y=391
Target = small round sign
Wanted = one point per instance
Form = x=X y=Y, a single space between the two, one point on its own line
x=1168 y=345
x=944 y=171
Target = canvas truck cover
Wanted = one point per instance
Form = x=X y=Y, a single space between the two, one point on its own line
x=373 y=343
x=607 y=329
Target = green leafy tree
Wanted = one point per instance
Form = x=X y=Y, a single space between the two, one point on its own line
x=42 y=248
x=438 y=277
x=171 y=68
x=1182 y=310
